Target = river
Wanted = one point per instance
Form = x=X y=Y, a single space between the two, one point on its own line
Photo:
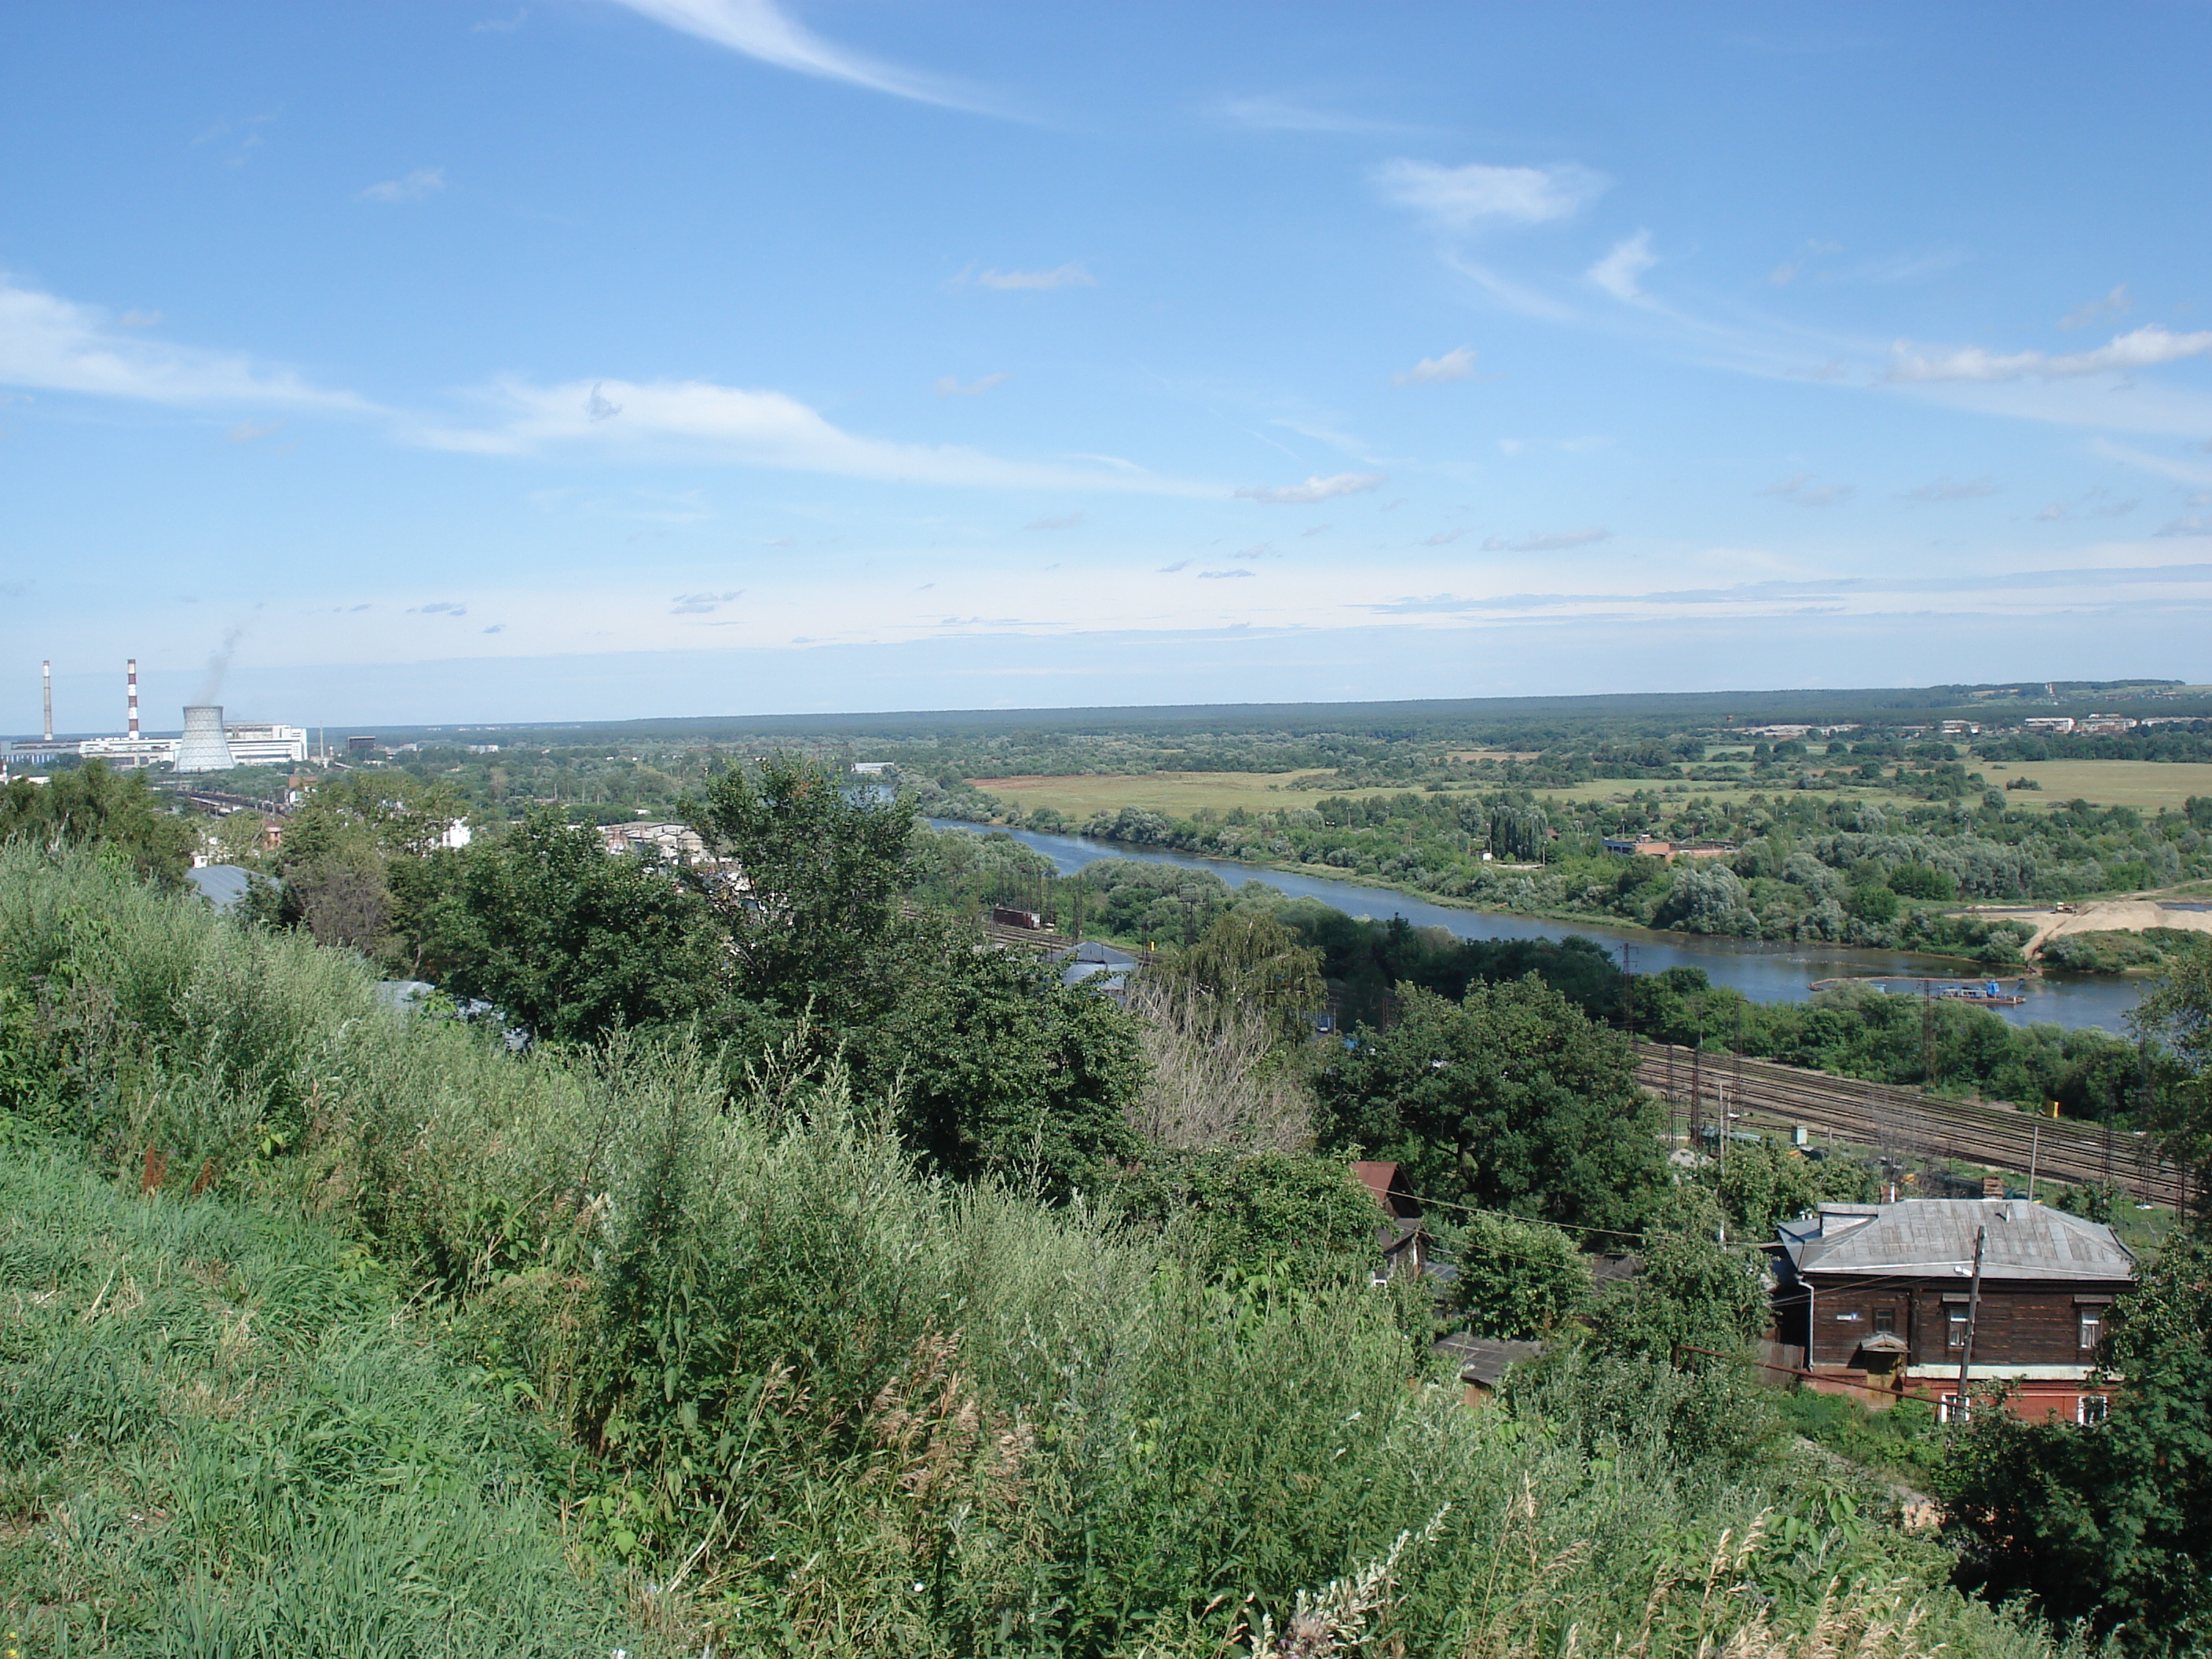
x=1762 y=970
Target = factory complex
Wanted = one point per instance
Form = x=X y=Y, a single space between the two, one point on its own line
x=207 y=743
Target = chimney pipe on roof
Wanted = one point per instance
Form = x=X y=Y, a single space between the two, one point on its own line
x=47 y=674
x=131 y=677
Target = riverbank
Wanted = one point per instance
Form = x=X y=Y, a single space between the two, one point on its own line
x=1762 y=970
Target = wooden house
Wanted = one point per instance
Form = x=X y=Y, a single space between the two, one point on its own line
x=1882 y=1296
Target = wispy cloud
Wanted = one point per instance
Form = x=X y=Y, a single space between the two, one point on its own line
x=53 y=344
x=422 y=182
x=2194 y=524
x=1549 y=542
x=502 y=25
x=2165 y=466
x=1465 y=198
x=1171 y=569
x=1794 y=267
x=1624 y=264
x=702 y=604
x=1455 y=365
x=1067 y=275
x=247 y=432
x=2115 y=304
x=1065 y=521
x=950 y=386
x=1221 y=575
x=1317 y=489
x=702 y=420
x=1950 y=490
x=136 y=319
x=759 y=29
x=2146 y=348
x=1443 y=538
x=1802 y=490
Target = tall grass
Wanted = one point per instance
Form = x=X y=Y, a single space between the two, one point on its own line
x=732 y=1347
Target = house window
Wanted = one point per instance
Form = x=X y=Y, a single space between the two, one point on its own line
x=2093 y=1328
x=1885 y=1322
x=1847 y=1318
x=2091 y=1409
x=1955 y=1330
x=1952 y=1408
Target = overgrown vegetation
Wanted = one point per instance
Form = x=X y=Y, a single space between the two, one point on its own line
x=332 y=1329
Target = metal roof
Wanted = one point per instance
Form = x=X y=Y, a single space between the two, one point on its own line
x=1934 y=1237
x=1483 y=1360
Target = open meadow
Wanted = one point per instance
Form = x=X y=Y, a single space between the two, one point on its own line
x=1179 y=793
x=2148 y=785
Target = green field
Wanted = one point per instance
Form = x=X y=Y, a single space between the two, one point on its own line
x=2148 y=785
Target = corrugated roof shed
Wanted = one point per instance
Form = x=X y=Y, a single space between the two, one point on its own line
x=1935 y=1237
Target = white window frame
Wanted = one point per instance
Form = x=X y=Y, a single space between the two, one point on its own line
x=2083 y=1414
x=1954 y=1408
x=2089 y=1327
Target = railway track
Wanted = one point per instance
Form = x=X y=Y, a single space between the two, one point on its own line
x=1903 y=1123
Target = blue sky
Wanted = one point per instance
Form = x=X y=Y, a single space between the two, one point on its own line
x=577 y=359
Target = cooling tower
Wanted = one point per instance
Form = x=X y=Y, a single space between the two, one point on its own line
x=203 y=748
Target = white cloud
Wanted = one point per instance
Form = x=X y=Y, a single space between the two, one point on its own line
x=1443 y=538
x=54 y=345
x=1951 y=489
x=1461 y=199
x=695 y=419
x=760 y=30
x=2146 y=348
x=949 y=385
x=247 y=432
x=1627 y=260
x=1221 y=575
x=1549 y=542
x=502 y=25
x=2115 y=304
x=2194 y=524
x=1455 y=365
x=2187 y=472
x=420 y=183
x=135 y=318
x=1067 y=275
x=1317 y=489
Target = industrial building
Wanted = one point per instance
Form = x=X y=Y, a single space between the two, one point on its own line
x=209 y=744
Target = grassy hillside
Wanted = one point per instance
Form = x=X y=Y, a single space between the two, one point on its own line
x=400 y=1344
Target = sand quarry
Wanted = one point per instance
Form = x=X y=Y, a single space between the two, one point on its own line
x=2127 y=915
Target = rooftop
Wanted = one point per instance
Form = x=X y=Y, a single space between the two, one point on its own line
x=1935 y=1237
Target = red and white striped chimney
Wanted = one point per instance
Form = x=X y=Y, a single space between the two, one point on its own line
x=130 y=675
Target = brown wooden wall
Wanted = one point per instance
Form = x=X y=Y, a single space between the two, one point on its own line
x=2020 y=1324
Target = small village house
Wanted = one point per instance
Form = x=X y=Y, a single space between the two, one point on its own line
x=1879 y=1299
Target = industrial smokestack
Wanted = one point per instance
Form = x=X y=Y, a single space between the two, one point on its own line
x=131 y=678
x=46 y=672
x=204 y=747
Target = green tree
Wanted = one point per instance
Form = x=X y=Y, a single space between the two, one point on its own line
x=820 y=868
x=2110 y=1524
x=89 y=805
x=1248 y=958
x=1253 y=1212
x=1516 y=1279
x=1509 y=1100
x=1692 y=1290
x=999 y=1068
x=2177 y=1013
x=568 y=940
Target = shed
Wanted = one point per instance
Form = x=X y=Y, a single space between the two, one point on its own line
x=1483 y=1361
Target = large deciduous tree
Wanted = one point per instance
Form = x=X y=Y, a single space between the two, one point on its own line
x=819 y=867
x=1509 y=1100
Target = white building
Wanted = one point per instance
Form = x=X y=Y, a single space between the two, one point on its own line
x=267 y=745
x=131 y=751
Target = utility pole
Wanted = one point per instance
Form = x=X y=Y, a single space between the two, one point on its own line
x=1973 y=1312
x=2034 y=1157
